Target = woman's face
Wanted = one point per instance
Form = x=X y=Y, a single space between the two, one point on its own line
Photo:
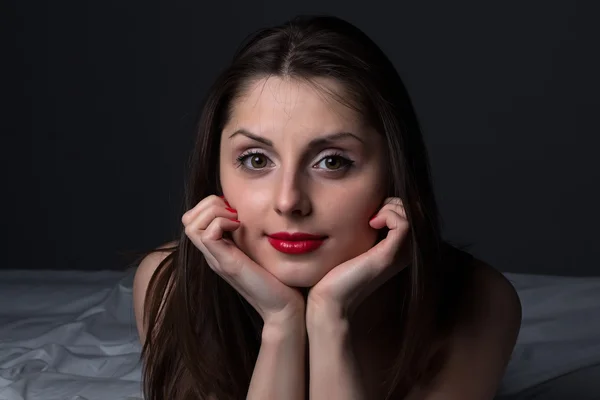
x=295 y=160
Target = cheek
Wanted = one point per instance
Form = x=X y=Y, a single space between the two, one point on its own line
x=251 y=206
x=350 y=226
x=245 y=196
x=355 y=237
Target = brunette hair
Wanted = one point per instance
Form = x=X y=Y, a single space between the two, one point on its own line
x=204 y=337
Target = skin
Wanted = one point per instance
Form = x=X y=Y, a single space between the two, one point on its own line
x=292 y=188
x=291 y=195
x=289 y=185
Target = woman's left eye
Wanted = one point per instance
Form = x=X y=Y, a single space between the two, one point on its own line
x=335 y=162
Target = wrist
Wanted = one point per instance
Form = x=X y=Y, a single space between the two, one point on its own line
x=280 y=328
x=326 y=321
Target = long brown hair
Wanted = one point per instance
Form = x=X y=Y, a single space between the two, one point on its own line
x=204 y=338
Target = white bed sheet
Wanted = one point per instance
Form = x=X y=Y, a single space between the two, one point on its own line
x=70 y=335
x=560 y=330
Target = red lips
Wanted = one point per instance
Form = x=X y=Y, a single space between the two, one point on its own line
x=295 y=243
x=296 y=236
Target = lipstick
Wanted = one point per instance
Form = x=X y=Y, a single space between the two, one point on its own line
x=295 y=243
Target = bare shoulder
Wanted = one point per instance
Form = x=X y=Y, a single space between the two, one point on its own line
x=143 y=274
x=486 y=341
x=482 y=344
x=493 y=303
x=495 y=291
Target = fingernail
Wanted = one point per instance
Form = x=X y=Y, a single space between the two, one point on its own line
x=226 y=202
x=373 y=217
x=231 y=209
x=234 y=220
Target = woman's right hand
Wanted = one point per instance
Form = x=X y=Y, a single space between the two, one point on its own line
x=205 y=225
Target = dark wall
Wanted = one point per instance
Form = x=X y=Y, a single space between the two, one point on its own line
x=102 y=99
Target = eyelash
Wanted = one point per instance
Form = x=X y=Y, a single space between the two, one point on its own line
x=242 y=157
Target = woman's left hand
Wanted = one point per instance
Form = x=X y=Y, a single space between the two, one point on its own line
x=341 y=291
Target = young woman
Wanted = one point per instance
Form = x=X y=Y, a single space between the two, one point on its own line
x=310 y=261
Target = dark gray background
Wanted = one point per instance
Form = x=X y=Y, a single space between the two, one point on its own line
x=101 y=99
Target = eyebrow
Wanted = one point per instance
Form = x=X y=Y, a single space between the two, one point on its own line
x=323 y=140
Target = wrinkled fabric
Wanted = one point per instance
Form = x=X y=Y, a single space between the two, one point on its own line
x=71 y=335
x=560 y=335
x=68 y=335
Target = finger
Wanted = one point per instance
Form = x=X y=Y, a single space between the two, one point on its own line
x=192 y=213
x=391 y=203
x=392 y=200
x=206 y=215
x=391 y=217
x=396 y=204
x=219 y=225
x=398 y=230
x=201 y=237
x=205 y=203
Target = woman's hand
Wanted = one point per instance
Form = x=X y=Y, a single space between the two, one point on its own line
x=205 y=225
x=342 y=290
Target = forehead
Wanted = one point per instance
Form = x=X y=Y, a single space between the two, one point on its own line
x=284 y=104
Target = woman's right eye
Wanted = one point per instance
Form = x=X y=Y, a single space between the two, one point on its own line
x=257 y=161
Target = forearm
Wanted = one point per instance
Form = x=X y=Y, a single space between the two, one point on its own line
x=279 y=370
x=334 y=370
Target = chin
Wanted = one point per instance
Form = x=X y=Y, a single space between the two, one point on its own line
x=298 y=274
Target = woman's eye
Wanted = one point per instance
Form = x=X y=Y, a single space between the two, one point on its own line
x=333 y=162
x=258 y=161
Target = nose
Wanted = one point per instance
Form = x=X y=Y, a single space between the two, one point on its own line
x=290 y=197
